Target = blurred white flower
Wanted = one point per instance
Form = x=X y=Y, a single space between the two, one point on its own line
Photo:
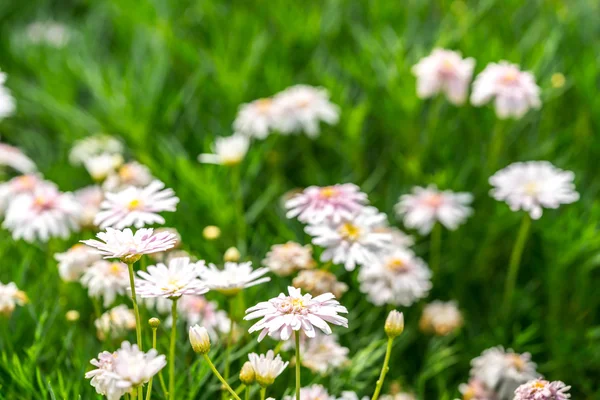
x=42 y=214
x=133 y=367
x=89 y=198
x=285 y=259
x=106 y=280
x=322 y=353
x=14 y=158
x=129 y=247
x=73 y=262
x=503 y=370
x=266 y=367
x=232 y=278
x=282 y=315
x=533 y=185
x=352 y=241
x=229 y=150
x=444 y=71
x=10 y=297
x=103 y=378
x=173 y=281
x=302 y=108
x=257 y=118
x=441 y=317
x=129 y=174
x=24 y=184
x=318 y=281
x=115 y=323
x=92 y=146
x=540 y=389
x=313 y=392
x=101 y=166
x=397 y=396
x=515 y=91
x=476 y=390
x=315 y=205
x=398 y=277
x=7 y=101
x=136 y=206
x=161 y=305
x=426 y=206
x=196 y=310
x=49 y=33
x=400 y=240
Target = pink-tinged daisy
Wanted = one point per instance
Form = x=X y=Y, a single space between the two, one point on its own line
x=335 y=203
x=129 y=247
x=103 y=378
x=532 y=186
x=282 y=315
x=318 y=281
x=321 y=354
x=136 y=206
x=266 y=367
x=515 y=91
x=173 y=281
x=313 y=392
x=73 y=262
x=476 y=390
x=14 y=158
x=540 y=389
x=43 y=214
x=23 y=184
x=444 y=71
x=10 y=297
x=196 y=310
x=89 y=198
x=106 y=280
x=229 y=150
x=129 y=174
x=426 y=206
x=115 y=323
x=285 y=259
x=302 y=108
x=257 y=118
x=232 y=278
x=353 y=241
x=7 y=101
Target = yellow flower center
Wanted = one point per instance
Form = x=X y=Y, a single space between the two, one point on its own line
x=434 y=200
x=539 y=385
x=328 y=192
x=126 y=173
x=25 y=182
x=396 y=265
x=134 y=204
x=115 y=268
x=469 y=394
x=510 y=77
x=264 y=105
x=531 y=188
x=349 y=231
x=516 y=362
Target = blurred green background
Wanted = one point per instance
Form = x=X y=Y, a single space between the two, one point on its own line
x=167 y=76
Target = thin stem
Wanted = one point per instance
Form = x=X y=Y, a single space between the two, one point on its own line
x=149 y=389
x=229 y=341
x=218 y=375
x=263 y=393
x=435 y=249
x=138 y=322
x=247 y=393
x=384 y=369
x=163 y=386
x=298 y=361
x=515 y=262
x=172 y=349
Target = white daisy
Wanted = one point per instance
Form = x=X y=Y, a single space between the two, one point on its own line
x=89 y=198
x=352 y=241
x=282 y=315
x=130 y=247
x=229 y=150
x=24 y=184
x=398 y=277
x=400 y=240
x=178 y=279
x=314 y=392
x=267 y=367
x=14 y=158
x=256 y=119
x=196 y=310
x=73 y=262
x=318 y=281
x=129 y=174
x=444 y=71
x=532 y=186
x=515 y=91
x=133 y=367
x=136 y=206
x=101 y=166
x=541 y=389
x=441 y=317
x=232 y=278
x=7 y=101
x=426 y=206
x=43 y=214
x=476 y=390
x=284 y=259
x=115 y=323
x=322 y=354
x=103 y=378
x=302 y=108
x=10 y=297
x=106 y=280
x=92 y=146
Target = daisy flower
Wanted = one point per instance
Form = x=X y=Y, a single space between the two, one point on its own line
x=101 y=166
x=24 y=184
x=42 y=214
x=266 y=367
x=302 y=108
x=476 y=390
x=540 y=389
x=532 y=186
x=232 y=278
x=285 y=259
x=441 y=318
x=115 y=323
x=321 y=354
x=399 y=239
x=48 y=33
x=282 y=315
x=73 y=262
x=444 y=71
x=426 y=206
x=256 y=119
x=107 y=280
x=196 y=310
x=89 y=199
x=14 y=158
x=93 y=146
x=318 y=282
x=229 y=150
x=7 y=101
x=515 y=91
x=335 y=203
x=130 y=247
x=129 y=174
x=313 y=392
x=398 y=278
x=136 y=206
x=10 y=297
x=103 y=378
x=178 y=279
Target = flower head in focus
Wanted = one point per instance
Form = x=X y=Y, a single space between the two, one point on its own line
x=266 y=367
x=540 y=389
x=441 y=318
x=282 y=315
x=229 y=150
x=199 y=339
x=444 y=71
x=532 y=186
x=285 y=259
x=14 y=158
x=73 y=262
x=173 y=281
x=514 y=91
x=107 y=280
x=10 y=297
x=426 y=206
x=133 y=367
x=115 y=323
x=233 y=277
x=103 y=378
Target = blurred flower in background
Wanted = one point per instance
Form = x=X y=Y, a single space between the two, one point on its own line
x=229 y=150
x=49 y=33
x=7 y=101
x=10 y=297
x=106 y=280
x=14 y=158
x=73 y=263
x=285 y=259
x=441 y=318
x=115 y=323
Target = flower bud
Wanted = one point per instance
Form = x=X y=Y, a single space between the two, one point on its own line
x=232 y=255
x=211 y=232
x=199 y=339
x=247 y=374
x=394 y=324
x=154 y=322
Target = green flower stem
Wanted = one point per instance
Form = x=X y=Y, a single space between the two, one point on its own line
x=263 y=393
x=172 y=349
x=149 y=390
x=218 y=375
x=247 y=393
x=229 y=342
x=138 y=321
x=435 y=249
x=298 y=362
x=515 y=262
x=384 y=369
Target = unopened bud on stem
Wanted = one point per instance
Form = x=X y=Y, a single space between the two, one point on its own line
x=394 y=324
x=247 y=374
x=199 y=339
